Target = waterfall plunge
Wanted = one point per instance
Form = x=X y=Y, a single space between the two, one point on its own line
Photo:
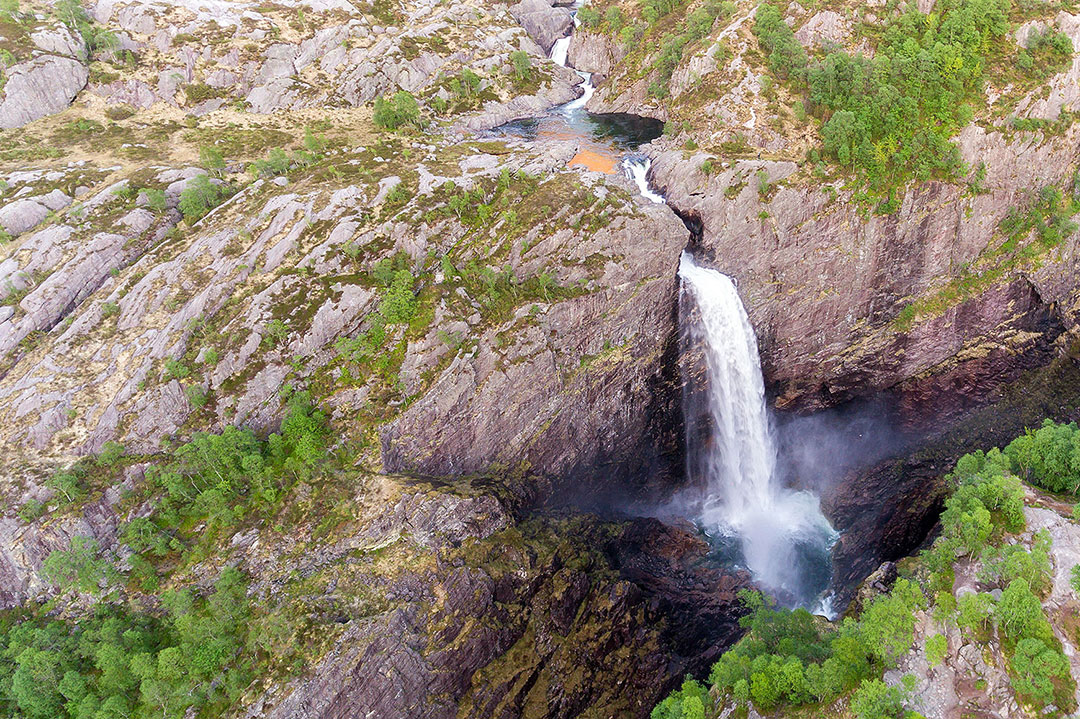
x=781 y=533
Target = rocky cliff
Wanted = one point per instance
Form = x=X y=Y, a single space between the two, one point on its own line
x=202 y=219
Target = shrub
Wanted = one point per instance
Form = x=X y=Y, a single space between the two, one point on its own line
x=399 y=110
x=211 y=160
x=973 y=611
x=936 y=648
x=764 y=186
x=399 y=303
x=1019 y=612
x=276 y=163
x=196 y=395
x=1049 y=457
x=686 y=703
x=589 y=17
x=80 y=568
x=155 y=199
x=1035 y=666
x=31 y=510
x=67 y=483
x=275 y=333
x=522 y=66
x=200 y=195
x=785 y=54
x=876 y=700
x=888 y=623
x=174 y=369
x=111 y=453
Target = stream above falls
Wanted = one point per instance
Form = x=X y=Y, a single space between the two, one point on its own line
x=606 y=141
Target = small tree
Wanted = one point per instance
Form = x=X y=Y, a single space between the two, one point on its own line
x=1035 y=666
x=874 y=699
x=211 y=160
x=936 y=648
x=199 y=197
x=1019 y=612
x=522 y=66
x=399 y=110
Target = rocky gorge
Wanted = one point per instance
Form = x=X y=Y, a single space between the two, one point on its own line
x=207 y=215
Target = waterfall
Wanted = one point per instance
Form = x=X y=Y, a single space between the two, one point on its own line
x=558 y=56
x=637 y=170
x=782 y=537
x=559 y=50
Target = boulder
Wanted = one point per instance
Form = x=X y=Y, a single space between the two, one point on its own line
x=42 y=86
x=824 y=29
x=544 y=22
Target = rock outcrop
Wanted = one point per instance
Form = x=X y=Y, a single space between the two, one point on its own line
x=511 y=618
x=47 y=81
x=544 y=21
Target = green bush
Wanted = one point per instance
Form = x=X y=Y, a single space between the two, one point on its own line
x=211 y=160
x=876 y=700
x=67 y=483
x=155 y=199
x=887 y=625
x=974 y=611
x=1049 y=457
x=786 y=55
x=1019 y=612
x=1035 y=667
x=113 y=664
x=275 y=333
x=891 y=118
x=276 y=163
x=936 y=649
x=398 y=305
x=174 y=369
x=522 y=66
x=199 y=196
x=196 y=395
x=82 y=568
x=788 y=657
x=31 y=510
x=589 y=17
x=399 y=110
x=687 y=703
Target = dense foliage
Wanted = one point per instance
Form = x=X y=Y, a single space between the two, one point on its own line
x=396 y=111
x=890 y=118
x=1049 y=457
x=199 y=196
x=201 y=650
x=116 y=663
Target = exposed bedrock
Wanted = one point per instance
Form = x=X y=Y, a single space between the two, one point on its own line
x=553 y=617
x=824 y=286
x=611 y=419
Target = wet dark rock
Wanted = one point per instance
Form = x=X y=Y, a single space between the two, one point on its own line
x=551 y=617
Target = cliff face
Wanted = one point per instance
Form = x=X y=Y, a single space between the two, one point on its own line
x=473 y=309
x=485 y=616
x=824 y=285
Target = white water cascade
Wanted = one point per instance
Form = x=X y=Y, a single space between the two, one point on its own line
x=558 y=56
x=559 y=51
x=780 y=532
x=637 y=170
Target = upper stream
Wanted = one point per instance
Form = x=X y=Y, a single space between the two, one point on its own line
x=606 y=142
